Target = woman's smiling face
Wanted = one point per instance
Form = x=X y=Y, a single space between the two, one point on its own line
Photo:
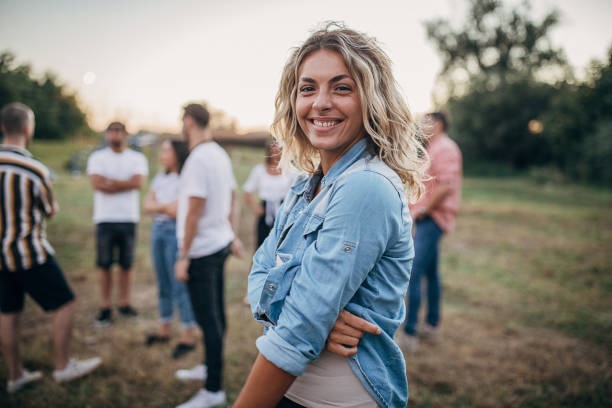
x=328 y=105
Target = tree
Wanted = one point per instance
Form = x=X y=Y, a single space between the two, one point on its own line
x=57 y=112
x=496 y=44
x=493 y=67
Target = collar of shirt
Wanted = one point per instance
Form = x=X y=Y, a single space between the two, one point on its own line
x=309 y=184
x=15 y=149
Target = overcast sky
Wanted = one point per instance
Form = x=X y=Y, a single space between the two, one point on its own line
x=147 y=58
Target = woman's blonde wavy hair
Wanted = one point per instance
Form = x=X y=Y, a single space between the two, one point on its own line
x=391 y=131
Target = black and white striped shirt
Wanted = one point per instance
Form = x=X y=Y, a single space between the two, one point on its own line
x=26 y=199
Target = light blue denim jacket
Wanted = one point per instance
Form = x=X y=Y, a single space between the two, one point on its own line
x=350 y=247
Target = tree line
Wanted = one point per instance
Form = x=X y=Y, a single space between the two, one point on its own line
x=57 y=112
x=513 y=98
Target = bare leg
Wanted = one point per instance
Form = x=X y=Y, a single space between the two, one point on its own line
x=124 y=287
x=164 y=329
x=10 y=333
x=187 y=336
x=106 y=285
x=62 y=334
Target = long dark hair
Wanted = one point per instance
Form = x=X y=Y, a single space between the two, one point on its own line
x=181 y=151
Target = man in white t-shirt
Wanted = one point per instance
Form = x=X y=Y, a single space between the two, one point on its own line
x=116 y=174
x=205 y=233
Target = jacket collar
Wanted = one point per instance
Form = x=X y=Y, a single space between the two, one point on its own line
x=308 y=183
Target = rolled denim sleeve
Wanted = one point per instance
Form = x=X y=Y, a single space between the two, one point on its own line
x=363 y=216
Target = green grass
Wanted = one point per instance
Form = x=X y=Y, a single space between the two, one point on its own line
x=527 y=314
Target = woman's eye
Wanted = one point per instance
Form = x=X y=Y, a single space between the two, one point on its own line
x=306 y=89
x=343 y=88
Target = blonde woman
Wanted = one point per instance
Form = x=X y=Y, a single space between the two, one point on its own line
x=341 y=244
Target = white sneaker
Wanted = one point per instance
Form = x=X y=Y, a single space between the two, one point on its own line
x=205 y=399
x=197 y=373
x=26 y=378
x=76 y=369
x=406 y=342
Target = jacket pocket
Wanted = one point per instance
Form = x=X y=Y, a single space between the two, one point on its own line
x=314 y=224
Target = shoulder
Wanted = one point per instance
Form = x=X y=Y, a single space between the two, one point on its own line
x=99 y=153
x=258 y=170
x=446 y=145
x=374 y=184
x=136 y=155
x=33 y=166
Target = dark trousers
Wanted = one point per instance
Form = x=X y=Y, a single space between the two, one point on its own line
x=287 y=403
x=206 y=289
x=263 y=229
x=425 y=265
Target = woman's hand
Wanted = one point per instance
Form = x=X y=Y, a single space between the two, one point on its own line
x=236 y=248
x=347 y=332
x=180 y=270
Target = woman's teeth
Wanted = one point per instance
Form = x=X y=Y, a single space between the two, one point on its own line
x=325 y=124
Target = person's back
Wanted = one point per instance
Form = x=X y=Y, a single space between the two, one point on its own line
x=26 y=199
x=27 y=265
x=208 y=171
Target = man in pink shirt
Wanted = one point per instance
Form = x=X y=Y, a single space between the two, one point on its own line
x=434 y=215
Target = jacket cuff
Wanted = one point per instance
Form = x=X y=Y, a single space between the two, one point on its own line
x=282 y=354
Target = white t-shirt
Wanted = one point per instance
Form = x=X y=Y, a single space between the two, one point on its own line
x=118 y=207
x=208 y=174
x=267 y=186
x=166 y=189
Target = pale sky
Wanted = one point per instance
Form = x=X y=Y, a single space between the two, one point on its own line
x=149 y=58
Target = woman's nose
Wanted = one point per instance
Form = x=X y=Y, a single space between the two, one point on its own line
x=322 y=101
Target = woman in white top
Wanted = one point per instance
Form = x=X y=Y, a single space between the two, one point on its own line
x=271 y=185
x=161 y=202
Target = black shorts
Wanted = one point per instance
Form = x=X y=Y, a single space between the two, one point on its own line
x=119 y=235
x=44 y=283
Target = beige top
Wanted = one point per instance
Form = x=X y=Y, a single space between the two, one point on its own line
x=329 y=382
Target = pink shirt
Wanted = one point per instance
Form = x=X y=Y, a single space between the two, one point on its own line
x=445 y=168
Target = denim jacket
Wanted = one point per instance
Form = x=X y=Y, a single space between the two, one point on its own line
x=350 y=247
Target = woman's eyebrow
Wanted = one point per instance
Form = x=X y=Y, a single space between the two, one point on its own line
x=334 y=79
x=339 y=78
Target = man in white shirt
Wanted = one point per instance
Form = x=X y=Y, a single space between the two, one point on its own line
x=116 y=174
x=205 y=233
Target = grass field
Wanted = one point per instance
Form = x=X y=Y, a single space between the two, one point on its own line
x=527 y=314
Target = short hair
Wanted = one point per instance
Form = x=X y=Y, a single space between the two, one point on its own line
x=116 y=126
x=15 y=117
x=198 y=113
x=391 y=131
x=441 y=117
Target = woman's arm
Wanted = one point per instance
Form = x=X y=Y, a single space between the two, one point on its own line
x=256 y=208
x=151 y=205
x=265 y=385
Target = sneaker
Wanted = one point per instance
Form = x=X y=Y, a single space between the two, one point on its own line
x=26 y=378
x=104 y=318
x=181 y=349
x=407 y=342
x=429 y=332
x=128 y=312
x=197 y=373
x=205 y=399
x=156 y=338
x=76 y=369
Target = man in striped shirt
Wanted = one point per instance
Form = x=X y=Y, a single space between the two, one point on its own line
x=26 y=257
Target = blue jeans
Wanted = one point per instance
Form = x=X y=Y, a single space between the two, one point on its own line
x=425 y=264
x=164 y=250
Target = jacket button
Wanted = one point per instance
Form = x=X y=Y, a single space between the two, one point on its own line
x=347 y=249
x=271 y=286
